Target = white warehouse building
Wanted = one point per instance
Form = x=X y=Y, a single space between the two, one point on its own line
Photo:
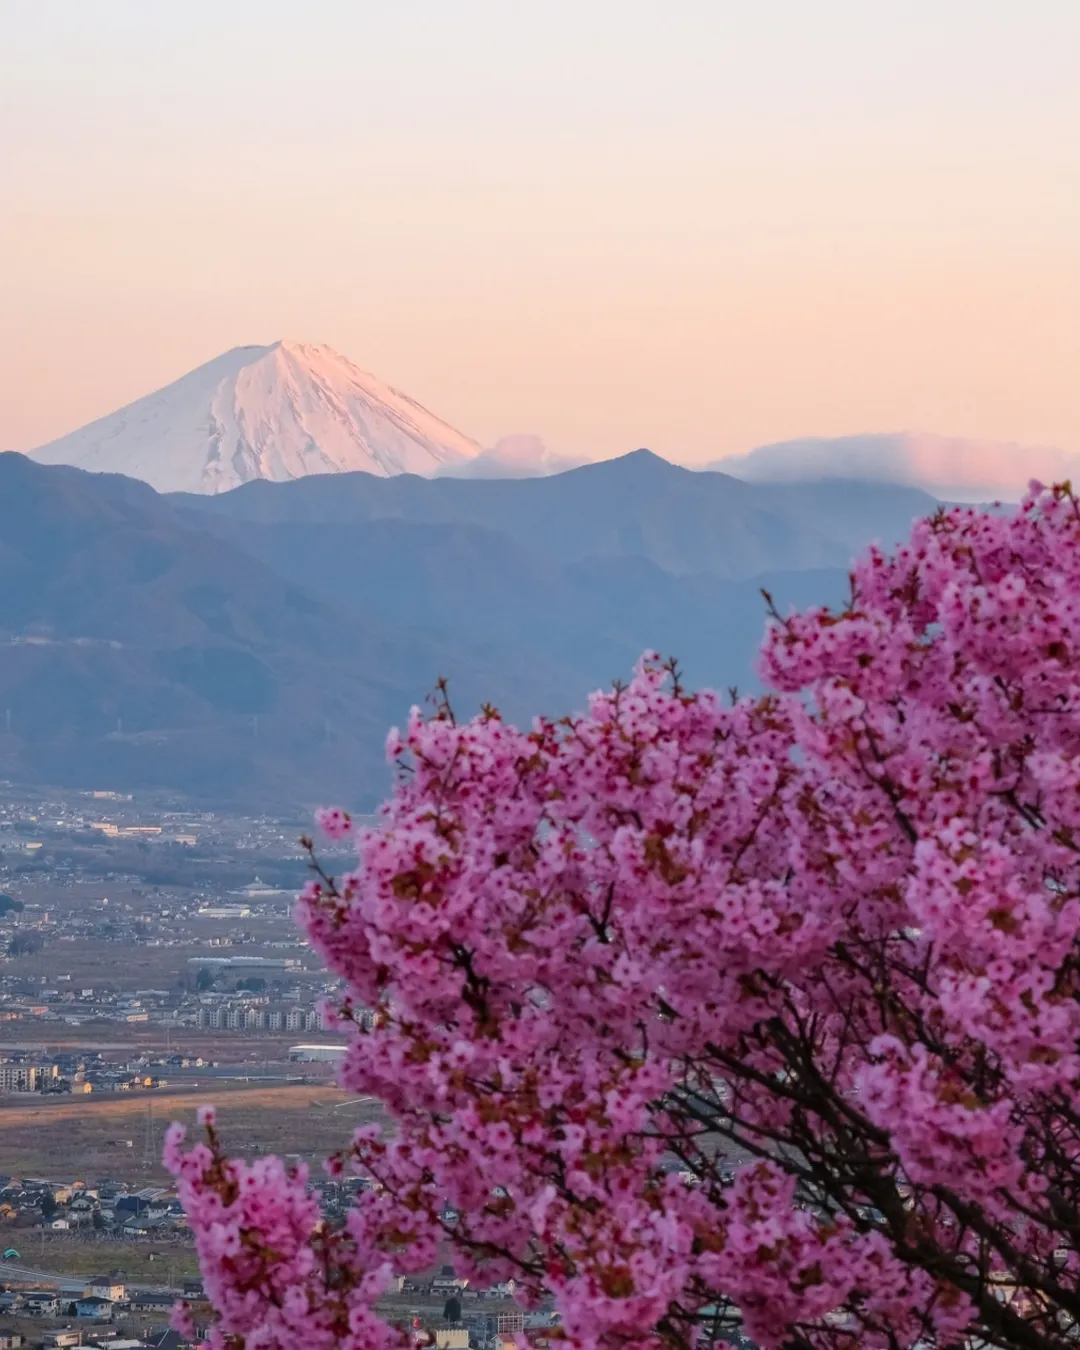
x=317 y=1053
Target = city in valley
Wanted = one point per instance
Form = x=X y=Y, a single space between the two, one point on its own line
x=149 y=963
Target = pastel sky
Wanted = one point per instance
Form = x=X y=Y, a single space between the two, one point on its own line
x=697 y=225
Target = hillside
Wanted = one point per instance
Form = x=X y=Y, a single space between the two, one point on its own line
x=135 y=651
x=638 y=506
x=254 y=647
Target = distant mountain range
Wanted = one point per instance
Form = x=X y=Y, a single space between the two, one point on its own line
x=294 y=410
x=135 y=650
x=637 y=506
x=277 y=412
x=255 y=646
x=296 y=552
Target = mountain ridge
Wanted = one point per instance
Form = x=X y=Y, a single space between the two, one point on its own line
x=636 y=505
x=255 y=646
x=136 y=650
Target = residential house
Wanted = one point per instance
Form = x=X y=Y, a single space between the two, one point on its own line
x=101 y=1309
x=141 y=1227
x=82 y=1210
x=165 y=1340
x=160 y=1301
x=448 y=1284
x=451 y=1338
x=41 y=1303
x=66 y=1191
x=128 y=1206
x=105 y=1286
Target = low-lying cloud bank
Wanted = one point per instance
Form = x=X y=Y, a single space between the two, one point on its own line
x=951 y=467
x=521 y=456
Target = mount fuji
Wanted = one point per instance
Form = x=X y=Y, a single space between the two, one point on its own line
x=280 y=412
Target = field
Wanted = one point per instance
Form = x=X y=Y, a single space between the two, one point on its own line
x=114 y=1039
x=92 y=963
x=163 y=1264
x=120 y=1135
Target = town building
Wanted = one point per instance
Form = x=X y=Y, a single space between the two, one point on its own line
x=317 y=1054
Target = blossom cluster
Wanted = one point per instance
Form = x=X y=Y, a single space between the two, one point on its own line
x=698 y=1014
x=276 y=1276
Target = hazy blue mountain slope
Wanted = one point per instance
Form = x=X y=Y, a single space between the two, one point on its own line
x=256 y=646
x=135 y=651
x=592 y=617
x=636 y=506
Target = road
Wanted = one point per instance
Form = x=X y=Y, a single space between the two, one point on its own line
x=65 y=1283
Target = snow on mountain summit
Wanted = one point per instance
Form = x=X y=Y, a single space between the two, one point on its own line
x=277 y=412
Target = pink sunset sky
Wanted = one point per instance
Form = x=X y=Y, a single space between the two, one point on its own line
x=697 y=226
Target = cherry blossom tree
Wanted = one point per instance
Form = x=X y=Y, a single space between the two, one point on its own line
x=699 y=1015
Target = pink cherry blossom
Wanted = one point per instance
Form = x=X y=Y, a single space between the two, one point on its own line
x=700 y=1013
x=334 y=822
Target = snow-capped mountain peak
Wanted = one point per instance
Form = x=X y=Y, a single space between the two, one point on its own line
x=277 y=412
